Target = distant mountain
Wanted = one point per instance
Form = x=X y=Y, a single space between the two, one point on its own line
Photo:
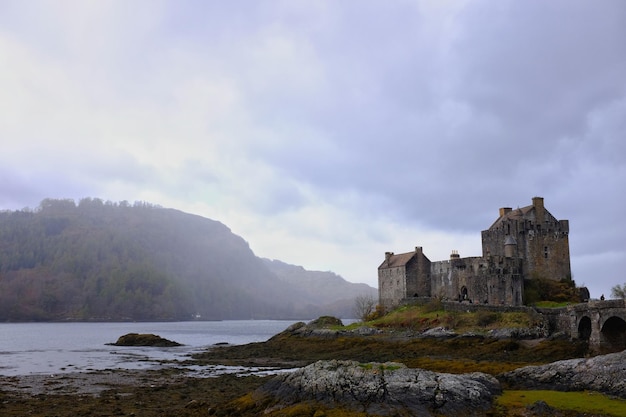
x=99 y=260
x=313 y=286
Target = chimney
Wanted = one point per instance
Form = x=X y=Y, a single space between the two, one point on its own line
x=455 y=254
x=505 y=210
x=388 y=256
x=539 y=210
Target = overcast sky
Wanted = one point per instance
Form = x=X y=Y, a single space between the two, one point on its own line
x=326 y=132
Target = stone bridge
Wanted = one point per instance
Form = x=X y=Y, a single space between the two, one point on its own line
x=602 y=323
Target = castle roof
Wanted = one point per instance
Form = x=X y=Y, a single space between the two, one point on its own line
x=517 y=214
x=533 y=212
x=400 y=259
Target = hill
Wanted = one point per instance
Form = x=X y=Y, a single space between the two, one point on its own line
x=100 y=260
x=338 y=293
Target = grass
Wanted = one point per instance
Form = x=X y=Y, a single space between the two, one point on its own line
x=381 y=367
x=581 y=402
x=552 y=304
x=251 y=405
x=460 y=366
x=421 y=318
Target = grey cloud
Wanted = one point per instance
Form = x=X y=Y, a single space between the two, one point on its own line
x=529 y=76
x=548 y=64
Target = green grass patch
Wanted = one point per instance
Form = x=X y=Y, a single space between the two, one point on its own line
x=421 y=318
x=379 y=366
x=552 y=304
x=460 y=366
x=581 y=402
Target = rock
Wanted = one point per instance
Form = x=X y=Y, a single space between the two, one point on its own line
x=144 y=339
x=439 y=332
x=605 y=373
x=319 y=328
x=325 y=321
x=540 y=408
x=518 y=333
x=366 y=331
x=384 y=389
x=195 y=404
x=295 y=327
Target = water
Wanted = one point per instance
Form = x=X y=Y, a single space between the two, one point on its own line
x=53 y=348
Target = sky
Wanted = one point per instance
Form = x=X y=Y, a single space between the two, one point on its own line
x=326 y=133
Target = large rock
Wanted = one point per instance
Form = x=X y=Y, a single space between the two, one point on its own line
x=606 y=373
x=144 y=339
x=384 y=389
x=324 y=327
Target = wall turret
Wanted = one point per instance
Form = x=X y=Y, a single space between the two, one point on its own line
x=510 y=247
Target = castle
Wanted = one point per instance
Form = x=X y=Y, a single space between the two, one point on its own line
x=521 y=244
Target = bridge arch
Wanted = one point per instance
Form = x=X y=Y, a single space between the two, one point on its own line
x=584 y=328
x=613 y=333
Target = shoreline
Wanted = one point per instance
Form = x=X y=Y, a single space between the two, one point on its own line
x=86 y=383
x=191 y=387
x=146 y=393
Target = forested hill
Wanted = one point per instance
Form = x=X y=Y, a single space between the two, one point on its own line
x=99 y=260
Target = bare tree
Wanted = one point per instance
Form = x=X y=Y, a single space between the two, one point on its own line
x=364 y=305
x=619 y=291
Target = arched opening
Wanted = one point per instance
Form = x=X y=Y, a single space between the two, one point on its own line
x=464 y=293
x=584 y=328
x=613 y=334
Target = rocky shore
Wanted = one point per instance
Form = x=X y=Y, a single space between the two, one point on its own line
x=360 y=372
x=155 y=393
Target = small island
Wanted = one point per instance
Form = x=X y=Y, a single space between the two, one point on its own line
x=144 y=339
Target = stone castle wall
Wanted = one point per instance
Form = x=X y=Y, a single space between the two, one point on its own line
x=484 y=281
x=391 y=285
x=547 y=254
x=420 y=274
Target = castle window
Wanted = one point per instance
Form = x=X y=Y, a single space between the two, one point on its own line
x=545 y=252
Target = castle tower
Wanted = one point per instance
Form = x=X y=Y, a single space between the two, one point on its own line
x=533 y=234
x=403 y=275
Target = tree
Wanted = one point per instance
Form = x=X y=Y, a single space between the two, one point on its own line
x=619 y=291
x=364 y=306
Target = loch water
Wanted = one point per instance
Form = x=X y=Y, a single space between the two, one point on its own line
x=53 y=348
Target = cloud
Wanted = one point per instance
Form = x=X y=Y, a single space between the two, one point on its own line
x=326 y=133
